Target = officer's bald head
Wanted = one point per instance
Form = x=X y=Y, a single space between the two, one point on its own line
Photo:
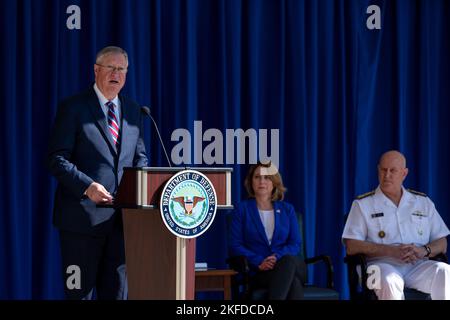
x=393 y=157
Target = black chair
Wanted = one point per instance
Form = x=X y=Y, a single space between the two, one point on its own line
x=358 y=284
x=241 y=284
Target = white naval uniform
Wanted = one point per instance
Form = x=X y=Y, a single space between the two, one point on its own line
x=376 y=219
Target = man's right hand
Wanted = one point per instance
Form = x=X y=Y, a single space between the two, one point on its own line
x=98 y=194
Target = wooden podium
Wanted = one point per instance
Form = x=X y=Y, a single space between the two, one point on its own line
x=160 y=265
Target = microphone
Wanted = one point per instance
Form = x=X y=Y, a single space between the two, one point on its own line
x=146 y=110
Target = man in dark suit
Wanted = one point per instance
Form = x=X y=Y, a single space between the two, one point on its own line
x=95 y=135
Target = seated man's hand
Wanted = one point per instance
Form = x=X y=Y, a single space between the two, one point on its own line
x=412 y=253
x=98 y=194
x=268 y=263
x=420 y=252
x=404 y=252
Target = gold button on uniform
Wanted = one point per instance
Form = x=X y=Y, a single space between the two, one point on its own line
x=381 y=234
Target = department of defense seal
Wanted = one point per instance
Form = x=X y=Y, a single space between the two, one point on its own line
x=188 y=204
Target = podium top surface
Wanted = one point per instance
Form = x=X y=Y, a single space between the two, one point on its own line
x=176 y=169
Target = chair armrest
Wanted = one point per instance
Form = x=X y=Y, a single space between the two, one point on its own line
x=239 y=264
x=442 y=257
x=356 y=260
x=353 y=261
x=329 y=265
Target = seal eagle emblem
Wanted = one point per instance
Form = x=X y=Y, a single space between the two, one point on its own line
x=188 y=204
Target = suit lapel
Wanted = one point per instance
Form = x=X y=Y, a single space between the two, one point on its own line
x=100 y=119
x=257 y=221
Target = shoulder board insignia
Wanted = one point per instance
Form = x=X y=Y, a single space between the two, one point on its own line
x=417 y=193
x=365 y=195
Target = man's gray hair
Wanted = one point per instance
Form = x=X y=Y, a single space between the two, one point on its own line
x=110 y=50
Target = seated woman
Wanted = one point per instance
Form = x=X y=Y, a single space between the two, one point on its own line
x=266 y=231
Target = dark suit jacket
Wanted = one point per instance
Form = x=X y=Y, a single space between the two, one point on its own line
x=248 y=238
x=81 y=151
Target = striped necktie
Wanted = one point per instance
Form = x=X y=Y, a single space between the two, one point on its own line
x=113 y=124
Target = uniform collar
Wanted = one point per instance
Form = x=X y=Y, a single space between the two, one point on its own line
x=406 y=197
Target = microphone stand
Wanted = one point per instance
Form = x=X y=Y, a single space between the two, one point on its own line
x=146 y=110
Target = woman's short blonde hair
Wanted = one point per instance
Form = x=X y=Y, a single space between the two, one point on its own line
x=278 y=188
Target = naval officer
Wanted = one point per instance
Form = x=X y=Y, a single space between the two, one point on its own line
x=399 y=230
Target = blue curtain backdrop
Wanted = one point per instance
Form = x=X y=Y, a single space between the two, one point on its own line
x=339 y=93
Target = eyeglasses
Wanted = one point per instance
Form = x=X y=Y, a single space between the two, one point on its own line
x=112 y=69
